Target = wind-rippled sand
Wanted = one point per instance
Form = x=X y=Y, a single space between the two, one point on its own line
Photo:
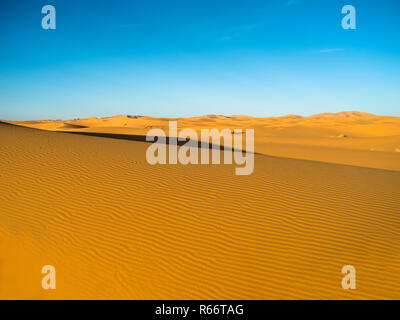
x=116 y=227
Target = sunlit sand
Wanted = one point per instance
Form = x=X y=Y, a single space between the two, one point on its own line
x=325 y=192
x=353 y=138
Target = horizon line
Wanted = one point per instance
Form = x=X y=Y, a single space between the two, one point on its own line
x=348 y=113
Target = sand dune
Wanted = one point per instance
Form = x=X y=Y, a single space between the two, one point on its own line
x=350 y=137
x=116 y=227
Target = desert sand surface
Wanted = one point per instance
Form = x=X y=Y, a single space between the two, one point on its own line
x=350 y=137
x=116 y=227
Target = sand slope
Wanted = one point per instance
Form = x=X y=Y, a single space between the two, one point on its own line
x=350 y=137
x=117 y=227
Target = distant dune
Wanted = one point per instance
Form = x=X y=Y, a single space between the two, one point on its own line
x=344 y=114
x=116 y=227
x=349 y=137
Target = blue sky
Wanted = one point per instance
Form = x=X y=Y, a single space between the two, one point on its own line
x=188 y=58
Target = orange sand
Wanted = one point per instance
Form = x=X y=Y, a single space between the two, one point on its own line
x=116 y=227
x=353 y=138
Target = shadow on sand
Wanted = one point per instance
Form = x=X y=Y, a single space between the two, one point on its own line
x=141 y=138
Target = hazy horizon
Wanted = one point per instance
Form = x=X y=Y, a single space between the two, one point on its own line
x=199 y=115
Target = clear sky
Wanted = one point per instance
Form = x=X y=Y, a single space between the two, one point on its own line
x=193 y=57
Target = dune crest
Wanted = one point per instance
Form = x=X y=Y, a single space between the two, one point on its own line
x=343 y=114
x=344 y=138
